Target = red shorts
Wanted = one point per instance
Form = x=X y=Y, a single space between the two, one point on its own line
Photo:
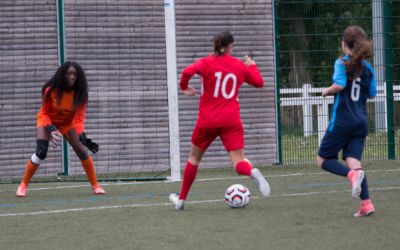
x=232 y=136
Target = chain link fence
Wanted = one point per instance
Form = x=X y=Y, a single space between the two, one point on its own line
x=308 y=35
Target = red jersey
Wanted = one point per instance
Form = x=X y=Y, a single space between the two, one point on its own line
x=222 y=77
x=63 y=115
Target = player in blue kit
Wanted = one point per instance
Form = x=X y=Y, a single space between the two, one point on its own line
x=353 y=83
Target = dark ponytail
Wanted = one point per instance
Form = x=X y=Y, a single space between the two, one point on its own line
x=221 y=42
x=361 y=48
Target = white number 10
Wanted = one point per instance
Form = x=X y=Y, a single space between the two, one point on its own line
x=218 y=86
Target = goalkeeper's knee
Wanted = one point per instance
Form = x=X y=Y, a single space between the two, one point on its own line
x=42 y=146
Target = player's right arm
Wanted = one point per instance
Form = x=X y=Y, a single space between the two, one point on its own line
x=43 y=115
x=339 y=79
x=45 y=120
x=333 y=89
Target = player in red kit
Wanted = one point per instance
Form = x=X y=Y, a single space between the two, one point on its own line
x=219 y=112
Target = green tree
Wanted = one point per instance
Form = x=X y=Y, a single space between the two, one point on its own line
x=309 y=37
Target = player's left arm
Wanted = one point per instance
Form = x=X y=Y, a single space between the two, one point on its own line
x=253 y=75
x=197 y=67
x=339 y=79
x=372 y=85
x=78 y=124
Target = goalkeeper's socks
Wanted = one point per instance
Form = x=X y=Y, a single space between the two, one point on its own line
x=244 y=167
x=188 y=178
x=335 y=167
x=88 y=166
x=29 y=172
x=364 y=195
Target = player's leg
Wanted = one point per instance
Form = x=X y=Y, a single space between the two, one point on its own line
x=359 y=185
x=352 y=153
x=190 y=172
x=332 y=166
x=331 y=144
x=86 y=160
x=240 y=164
x=201 y=140
x=359 y=188
x=244 y=167
x=42 y=145
x=357 y=177
x=232 y=136
x=189 y=175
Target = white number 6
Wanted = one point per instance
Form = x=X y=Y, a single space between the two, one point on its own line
x=355 y=89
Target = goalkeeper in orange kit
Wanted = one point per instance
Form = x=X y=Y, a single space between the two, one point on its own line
x=64 y=101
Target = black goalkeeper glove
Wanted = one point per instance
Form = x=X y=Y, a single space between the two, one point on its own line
x=92 y=146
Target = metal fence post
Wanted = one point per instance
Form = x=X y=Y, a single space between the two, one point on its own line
x=379 y=62
x=61 y=60
x=307 y=111
x=277 y=81
x=323 y=118
x=389 y=77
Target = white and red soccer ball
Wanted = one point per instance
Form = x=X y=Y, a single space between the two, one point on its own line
x=237 y=196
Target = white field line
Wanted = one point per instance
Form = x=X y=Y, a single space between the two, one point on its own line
x=46 y=212
x=197 y=180
x=295 y=175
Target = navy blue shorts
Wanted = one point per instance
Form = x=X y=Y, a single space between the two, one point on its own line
x=349 y=139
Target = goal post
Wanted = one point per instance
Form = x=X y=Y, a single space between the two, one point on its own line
x=170 y=39
x=133 y=109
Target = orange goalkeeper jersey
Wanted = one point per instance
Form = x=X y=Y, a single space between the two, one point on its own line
x=63 y=115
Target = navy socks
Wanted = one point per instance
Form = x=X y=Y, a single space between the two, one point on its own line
x=335 y=167
x=364 y=195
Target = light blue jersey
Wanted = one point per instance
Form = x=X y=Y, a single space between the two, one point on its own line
x=349 y=108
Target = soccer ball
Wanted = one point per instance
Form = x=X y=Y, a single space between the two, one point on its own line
x=237 y=196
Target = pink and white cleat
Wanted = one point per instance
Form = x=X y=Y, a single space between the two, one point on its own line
x=98 y=190
x=356 y=177
x=366 y=209
x=21 y=191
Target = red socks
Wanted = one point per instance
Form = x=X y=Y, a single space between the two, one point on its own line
x=244 y=168
x=188 y=178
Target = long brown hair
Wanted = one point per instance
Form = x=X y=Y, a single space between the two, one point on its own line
x=221 y=42
x=59 y=82
x=361 y=48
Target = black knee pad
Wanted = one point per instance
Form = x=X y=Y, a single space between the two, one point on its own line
x=42 y=147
